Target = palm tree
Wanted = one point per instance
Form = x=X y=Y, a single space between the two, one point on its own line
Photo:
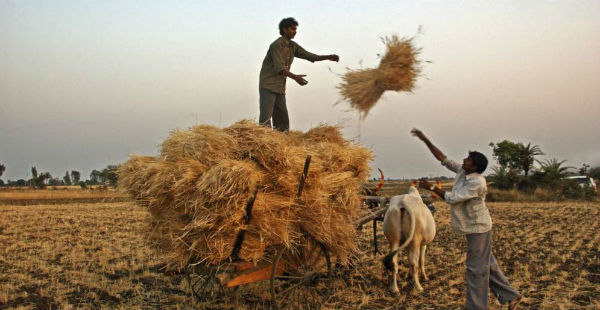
x=554 y=168
x=502 y=177
x=552 y=171
x=528 y=154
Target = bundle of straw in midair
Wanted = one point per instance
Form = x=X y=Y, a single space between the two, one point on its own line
x=397 y=71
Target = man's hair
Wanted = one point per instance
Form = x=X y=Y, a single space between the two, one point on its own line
x=479 y=160
x=287 y=23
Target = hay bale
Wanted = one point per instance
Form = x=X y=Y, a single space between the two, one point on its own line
x=198 y=188
x=325 y=133
x=204 y=143
x=397 y=71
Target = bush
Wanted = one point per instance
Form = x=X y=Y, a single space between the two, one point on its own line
x=526 y=184
x=570 y=189
x=502 y=178
x=594 y=172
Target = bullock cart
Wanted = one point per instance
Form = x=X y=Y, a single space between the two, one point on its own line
x=294 y=277
x=299 y=277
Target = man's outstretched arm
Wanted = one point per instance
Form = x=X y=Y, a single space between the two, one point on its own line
x=332 y=57
x=434 y=150
x=304 y=54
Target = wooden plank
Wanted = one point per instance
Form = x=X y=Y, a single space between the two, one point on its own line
x=251 y=275
x=242 y=266
x=375 y=213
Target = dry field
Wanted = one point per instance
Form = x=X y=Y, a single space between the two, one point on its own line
x=94 y=256
x=58 y=195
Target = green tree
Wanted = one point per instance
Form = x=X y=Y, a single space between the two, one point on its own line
x=553 y=167
x=40 y=181
x=94 y=177
x=594 y=172
x=502 y=178
x=34 y=176
x=528 y=154
x=517 y=157
x=67 y=178
x=584 y=169
x=551 y=172
x=109 y=175
x=2 y=169
x=75 y=176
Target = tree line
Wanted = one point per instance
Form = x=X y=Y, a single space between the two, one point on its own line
x=519 y=168
x=107 y=176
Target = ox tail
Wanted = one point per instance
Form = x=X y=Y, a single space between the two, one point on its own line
x=389 y=259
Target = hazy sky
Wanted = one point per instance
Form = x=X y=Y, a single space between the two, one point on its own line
x=84 y=83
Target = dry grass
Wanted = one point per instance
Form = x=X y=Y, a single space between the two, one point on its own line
x=95 y=256
x=54 y=195
x=397 y=71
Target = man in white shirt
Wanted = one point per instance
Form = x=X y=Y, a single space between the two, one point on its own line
x=470 y=216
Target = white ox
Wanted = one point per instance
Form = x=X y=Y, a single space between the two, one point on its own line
x=407 y=221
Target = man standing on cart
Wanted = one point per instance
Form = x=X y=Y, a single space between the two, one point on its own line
x=471 y=217
x=276 y=69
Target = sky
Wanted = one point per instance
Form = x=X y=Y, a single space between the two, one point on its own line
x=85 y=83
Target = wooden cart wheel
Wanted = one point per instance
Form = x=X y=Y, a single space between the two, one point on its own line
x=301 y=279
x=202 y=283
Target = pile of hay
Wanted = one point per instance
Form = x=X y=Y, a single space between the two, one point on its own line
x=198 y=188
x=397 y=71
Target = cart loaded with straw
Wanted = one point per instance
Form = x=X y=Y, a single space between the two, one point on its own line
x=247 y=204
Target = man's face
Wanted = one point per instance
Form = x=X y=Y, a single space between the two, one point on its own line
x=290 y=32
x=468 y=165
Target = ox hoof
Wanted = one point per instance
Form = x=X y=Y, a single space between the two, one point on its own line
x=394 y=291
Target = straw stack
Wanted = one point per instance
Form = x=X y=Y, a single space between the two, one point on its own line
x=397 y=71
x=197 y=191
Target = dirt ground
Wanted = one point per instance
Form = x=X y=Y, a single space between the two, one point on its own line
x=94 y=256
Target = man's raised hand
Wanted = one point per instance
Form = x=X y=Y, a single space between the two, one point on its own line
x=419 y=134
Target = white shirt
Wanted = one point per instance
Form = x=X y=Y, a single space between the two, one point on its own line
x=467 y=201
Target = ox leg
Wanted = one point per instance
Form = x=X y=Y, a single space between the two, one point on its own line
x=414 y=255
x=392 y=230
x=390 y=263
x=394 y=286
x=422 y=261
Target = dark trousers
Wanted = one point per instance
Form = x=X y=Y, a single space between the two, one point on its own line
x=483 y=274
x=272 y=105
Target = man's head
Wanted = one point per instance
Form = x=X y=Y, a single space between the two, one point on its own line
x=475 y=162
x=287 y=27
